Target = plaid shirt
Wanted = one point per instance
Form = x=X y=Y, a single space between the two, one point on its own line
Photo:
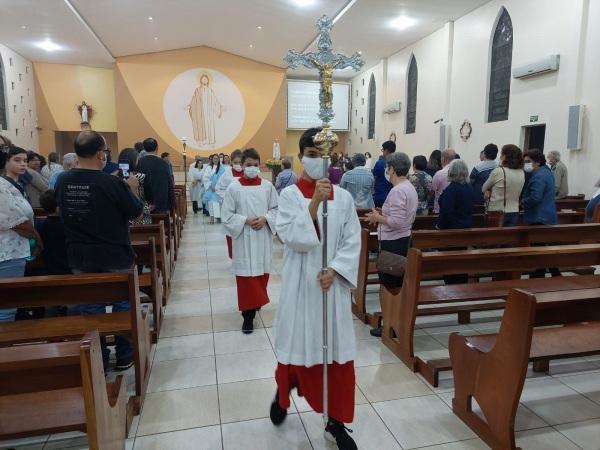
x=360 y=183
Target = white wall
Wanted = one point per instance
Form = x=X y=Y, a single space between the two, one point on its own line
x=453 y=67
x=20 y=99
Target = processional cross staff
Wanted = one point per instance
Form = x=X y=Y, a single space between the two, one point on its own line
x=325 y=61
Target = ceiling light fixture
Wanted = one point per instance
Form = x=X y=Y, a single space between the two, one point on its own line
x=259 y=28
x=251 y=46
x=23 y=27
x=402 y=22
x=48 y=45
x=304 y=3
x=150 y=18
x=155 y=38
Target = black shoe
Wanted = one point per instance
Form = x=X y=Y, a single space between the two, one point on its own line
x=376 y=332
x=337 y=432
x=278 y=414
x=124 y=364
x=248 y=325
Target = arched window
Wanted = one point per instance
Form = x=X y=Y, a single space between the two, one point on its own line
x=371 y=118
x=412 y=81
x=500 y=69
x=3 y=110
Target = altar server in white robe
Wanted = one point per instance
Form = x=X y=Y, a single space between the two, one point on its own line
x=232 y=172
x=248 y=215
x=299 y=320
x=196 y=187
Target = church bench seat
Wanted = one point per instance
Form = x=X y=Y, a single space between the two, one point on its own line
x=519 y=236
x=163 y=261
x=401 y=310
x=151 y=282
x=60 y=387
x=170 y=236
x=480 y=361
x=65 y=290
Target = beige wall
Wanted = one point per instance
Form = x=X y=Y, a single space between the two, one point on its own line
x=142 y=80
x=61 y=87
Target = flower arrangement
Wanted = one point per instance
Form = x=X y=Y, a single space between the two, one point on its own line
x=273 y=164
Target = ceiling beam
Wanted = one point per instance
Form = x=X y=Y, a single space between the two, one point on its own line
x=337 y=17
x=88 y=27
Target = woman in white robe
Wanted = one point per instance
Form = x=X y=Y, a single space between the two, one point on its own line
x=299 y=321
x=195 y=175
x=249 y=212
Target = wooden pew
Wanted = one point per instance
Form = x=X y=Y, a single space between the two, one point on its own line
x=520 y=236
x=156 y=232
x=59 y=387
x=401 y=310
x=151 y=282
x=170 y=236
x=75 y=290
x=491 y=368
x=571 y=203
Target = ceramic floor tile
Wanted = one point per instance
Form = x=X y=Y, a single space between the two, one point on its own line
x=303 y=406
x=361 y=331
x=30 y=443
x=222 y=281
x=556 y=403
x=369 y=431
x=245 y=366
x=585 y=434
x=182 y=373
x=186 y=275
x=471 y=444
x=267 y=317
x=544 y=439
x=183 y=326
x=236 y=341
x=186 y=309
x=179 y=410
x=262 y=435
x=190 y=283
x=421 y=421
x=373 y=352
x=183 y=347
x=525 y=419
x=189 y=295
x=389 y=382
x=587 y=384
x=206 y=438
x=247 y=400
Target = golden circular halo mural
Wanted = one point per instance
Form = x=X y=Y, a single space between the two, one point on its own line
x=205 y=107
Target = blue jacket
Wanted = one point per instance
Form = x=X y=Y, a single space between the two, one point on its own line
x=539 y=205
x=456 y=207
x=382 y=186
x=591 y=208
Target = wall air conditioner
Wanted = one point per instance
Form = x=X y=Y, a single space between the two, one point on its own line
x=546 y=65
x=393 y=108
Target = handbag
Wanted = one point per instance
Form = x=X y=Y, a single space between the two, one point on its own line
x=495 y=219
x=390 y=263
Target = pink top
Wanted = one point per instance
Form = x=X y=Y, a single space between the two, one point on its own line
x=400 y=209
x=439 y=183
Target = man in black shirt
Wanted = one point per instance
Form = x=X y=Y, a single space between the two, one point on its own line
x=158 y=184
x=96 y=208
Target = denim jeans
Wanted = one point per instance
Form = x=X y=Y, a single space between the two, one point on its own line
x=511 y=219
x=123 y=345
x=12 y=268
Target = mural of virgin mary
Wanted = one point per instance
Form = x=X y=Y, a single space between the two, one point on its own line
x=204 y=110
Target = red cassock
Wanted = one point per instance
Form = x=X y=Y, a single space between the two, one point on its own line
x=309 y=380
x=236 y=174
x=252 y=292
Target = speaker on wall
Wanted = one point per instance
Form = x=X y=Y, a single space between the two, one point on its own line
x=574 y=127
x=443 y=137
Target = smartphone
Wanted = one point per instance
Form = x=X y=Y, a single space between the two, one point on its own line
x=124 y=169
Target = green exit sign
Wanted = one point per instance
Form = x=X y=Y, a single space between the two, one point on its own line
x=533 y=119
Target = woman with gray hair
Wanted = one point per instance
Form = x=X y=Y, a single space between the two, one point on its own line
x=395 y=220
x=456 y=202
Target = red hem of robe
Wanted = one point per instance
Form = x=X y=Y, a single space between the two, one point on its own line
x=252 y=292
x=309 y=383
x=229 y=246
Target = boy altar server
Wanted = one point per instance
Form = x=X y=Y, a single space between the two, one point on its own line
x=299 y=321
x=248 y=213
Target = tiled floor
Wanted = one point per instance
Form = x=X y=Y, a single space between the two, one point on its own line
x=211 y=386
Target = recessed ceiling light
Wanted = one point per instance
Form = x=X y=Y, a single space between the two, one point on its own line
x=251 y=46
x=150 y=18
x=259 y=28
x=23 y=27
x=156 y=38
x=402 y=22
x=304 y=3
x=48 y=45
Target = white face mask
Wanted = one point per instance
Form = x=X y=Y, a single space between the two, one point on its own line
x=314 y=167
x=528 y=167
x=237 y=167
x=251 y=171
